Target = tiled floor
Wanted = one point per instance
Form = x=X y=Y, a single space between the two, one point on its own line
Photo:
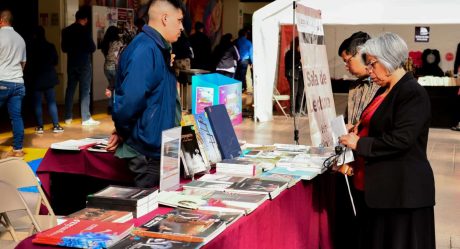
x=443 y=152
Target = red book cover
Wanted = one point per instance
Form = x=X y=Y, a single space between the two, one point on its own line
x=84 y=234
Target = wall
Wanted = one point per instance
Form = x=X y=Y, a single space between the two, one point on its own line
x=53 y=9
x=442 y=38
x=233 y=14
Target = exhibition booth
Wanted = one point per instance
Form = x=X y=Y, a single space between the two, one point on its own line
x=401 y=17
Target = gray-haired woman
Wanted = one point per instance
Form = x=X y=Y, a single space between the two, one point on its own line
x=391 y=143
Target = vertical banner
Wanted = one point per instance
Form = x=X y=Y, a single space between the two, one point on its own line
x=317 y=80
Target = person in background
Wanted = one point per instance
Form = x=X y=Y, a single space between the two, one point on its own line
x=201 y=45
x=43 y=58
x=295 y=78
x=245 y=49
x=228 y=56
x=348 y=226
x=390 y=143
x=145 y=92
x=78 y=44
x=111 y=47
x=12 y=89
x=183 y=53
x=362 y=90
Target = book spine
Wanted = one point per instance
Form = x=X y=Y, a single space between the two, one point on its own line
x=179 y=237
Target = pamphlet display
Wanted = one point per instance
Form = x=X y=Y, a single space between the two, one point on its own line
x=170 y=160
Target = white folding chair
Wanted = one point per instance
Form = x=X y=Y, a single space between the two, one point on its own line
x=17 y=173
x=13 y=201
x=277 y=97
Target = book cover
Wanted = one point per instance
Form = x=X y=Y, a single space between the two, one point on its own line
x=257 y=185
x=209 y=140
x=238 y=166
x=302 y=174
x=137 y=211
x=291 y=179
x=207 y=185
x=138 y=242
x=223 y=131
x=191 y=155
x=102 y=215
x=182 y=226
x=98 y=148
x=77 y=145
x=179 y=199
x=220 y=178
x=190 y=120
x=84 y=234
x=122 y=195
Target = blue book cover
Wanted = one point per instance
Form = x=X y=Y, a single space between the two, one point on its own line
x=305 y=175
x=223 y=131
x=209 y=140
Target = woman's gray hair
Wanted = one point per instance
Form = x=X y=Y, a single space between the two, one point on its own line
x=389 y=49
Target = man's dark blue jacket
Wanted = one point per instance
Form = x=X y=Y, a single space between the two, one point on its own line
x=145 y=93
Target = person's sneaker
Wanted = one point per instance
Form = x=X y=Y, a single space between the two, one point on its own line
x=455 y=128
x=58 y=129
x=39 y=130
x=14 y=153
x=90 y=122
x=68 y=121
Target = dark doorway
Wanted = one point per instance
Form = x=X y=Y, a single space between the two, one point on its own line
x=25 y=19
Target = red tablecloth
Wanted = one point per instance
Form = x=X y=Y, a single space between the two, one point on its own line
x=297 y=218
x=95 y=164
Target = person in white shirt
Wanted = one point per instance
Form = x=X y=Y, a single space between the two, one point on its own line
x=12 y=90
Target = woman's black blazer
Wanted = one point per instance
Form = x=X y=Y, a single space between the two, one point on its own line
x=397 y=171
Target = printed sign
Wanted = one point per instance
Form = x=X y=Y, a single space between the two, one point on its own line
x=317 y=80
x=422 y=34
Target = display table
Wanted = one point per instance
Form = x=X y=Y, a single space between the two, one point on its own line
x=444 y=105
x=297 y=218
x=67 y=177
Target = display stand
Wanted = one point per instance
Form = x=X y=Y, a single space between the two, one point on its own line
x=214 y=89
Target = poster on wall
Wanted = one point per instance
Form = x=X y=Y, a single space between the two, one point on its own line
x=317 y=80
x=422 y=34
x=209 y=12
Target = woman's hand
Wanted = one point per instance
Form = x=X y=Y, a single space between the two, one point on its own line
x=350 y=140
x=346 y=170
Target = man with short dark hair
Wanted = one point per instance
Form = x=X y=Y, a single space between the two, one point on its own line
x=12 y=90
x=144 y=101
x=79 y=45
x=362 y=90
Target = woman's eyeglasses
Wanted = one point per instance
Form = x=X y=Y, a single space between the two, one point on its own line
x=371 y=65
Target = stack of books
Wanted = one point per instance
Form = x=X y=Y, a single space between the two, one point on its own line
x=236 y=184
x=79 y=144
x=260 y=186
x=102 y=215
x=290 y=179
x=219 y=201
x=84 y=234
x=139 y=242
x=238 y=167
x=139 y=201
x=187 y=225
